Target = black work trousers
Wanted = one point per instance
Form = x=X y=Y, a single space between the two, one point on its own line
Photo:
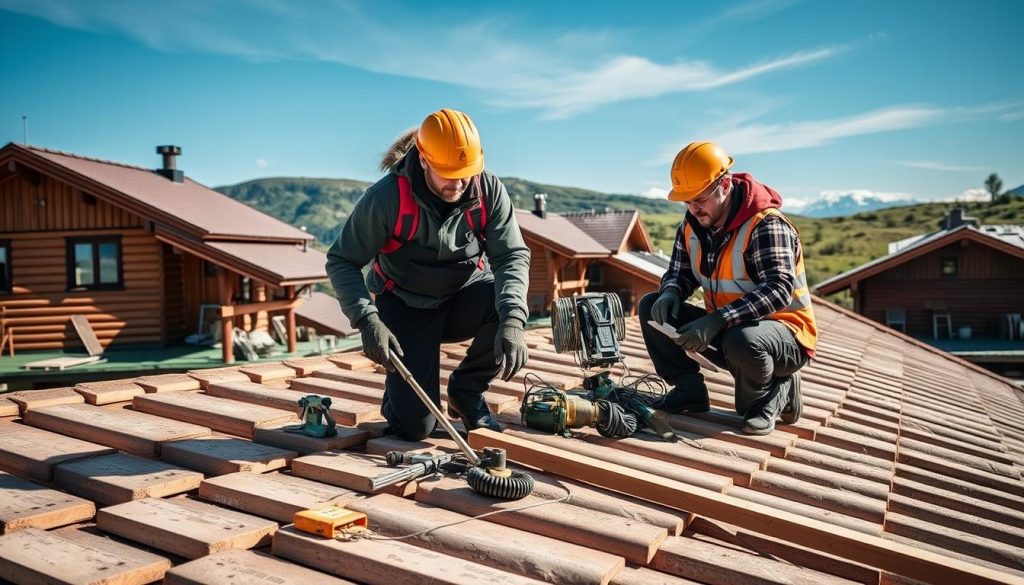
x=469 y=314
x=761 y=356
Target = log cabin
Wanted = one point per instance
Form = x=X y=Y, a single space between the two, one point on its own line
x=148 y=256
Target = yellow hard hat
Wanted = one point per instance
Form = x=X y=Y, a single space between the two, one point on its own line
x=697 y=166
x=450 y=143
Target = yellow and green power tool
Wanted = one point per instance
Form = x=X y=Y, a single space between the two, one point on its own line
x=591 y=326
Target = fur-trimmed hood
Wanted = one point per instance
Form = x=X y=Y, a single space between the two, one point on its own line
x=397 y=151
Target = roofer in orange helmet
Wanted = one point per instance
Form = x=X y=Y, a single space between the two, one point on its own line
x=448 y=264
x=757 y=318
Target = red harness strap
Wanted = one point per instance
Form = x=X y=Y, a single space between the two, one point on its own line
x=409 y=219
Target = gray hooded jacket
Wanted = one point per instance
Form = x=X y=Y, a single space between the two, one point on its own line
x=442 y=256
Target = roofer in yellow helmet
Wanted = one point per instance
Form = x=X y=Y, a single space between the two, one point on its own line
x=448 y=264
x=757 y=319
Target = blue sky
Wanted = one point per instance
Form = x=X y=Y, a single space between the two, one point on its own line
x=899 y=98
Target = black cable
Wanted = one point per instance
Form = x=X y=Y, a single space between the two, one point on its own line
x=614 y=422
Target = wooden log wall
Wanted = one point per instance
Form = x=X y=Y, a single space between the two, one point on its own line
x=37 y=214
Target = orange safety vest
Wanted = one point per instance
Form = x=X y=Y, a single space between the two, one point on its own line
x=730 y=281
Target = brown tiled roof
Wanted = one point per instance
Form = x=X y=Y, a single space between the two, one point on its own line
x=190 y=205
x=899 y=444
x=609 y=228
x=292 y=263
x=559 y=233
x=190 y=216
x=322 y=312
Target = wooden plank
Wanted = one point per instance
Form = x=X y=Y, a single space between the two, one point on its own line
x=61 y=363
x=75 y=556
x=185 y=527
x=870 y=550
x=168 y=383
x=132 y=432
x=706 y=562
x=635 y=541
x=508 y=549
x=349 y=470
x=277 y=436
x=276 y=496
x=86 y=334
x=219 y=414
x=335 y=388
x=741 y=470
x=352 y=361
x=267 y=372
x=245 y=567
x=223 y=455
x=28 y=399
x=32 y=452
x=119 y=478
x=24 y=504
x=345 y=412
x=210 y=375
x=109 y=391
x=7 y=407
x=386 y=561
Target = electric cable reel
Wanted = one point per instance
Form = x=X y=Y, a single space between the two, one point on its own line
x=591 y=325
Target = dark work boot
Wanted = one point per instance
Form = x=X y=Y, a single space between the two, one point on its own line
x=690 y=394
x=473 y=411
x=760 y=419
x=794 y=407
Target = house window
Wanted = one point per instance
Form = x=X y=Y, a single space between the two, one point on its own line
x=949 y=267
x=94 y=263
x=5 y=266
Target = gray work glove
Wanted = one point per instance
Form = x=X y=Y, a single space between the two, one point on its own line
x=668 y=303
x=697 y=334
x=510 y=351
x=378 y=340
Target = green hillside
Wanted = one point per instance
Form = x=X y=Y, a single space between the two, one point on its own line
x=835 y=245
x=832 y=245
x=322 y=205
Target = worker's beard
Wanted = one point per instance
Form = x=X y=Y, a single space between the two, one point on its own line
x=449 y=194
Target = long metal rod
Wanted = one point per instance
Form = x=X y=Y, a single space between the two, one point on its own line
x=434 y=410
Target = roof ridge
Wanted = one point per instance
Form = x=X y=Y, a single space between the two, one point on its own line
x=83 y=157
x=606 y=212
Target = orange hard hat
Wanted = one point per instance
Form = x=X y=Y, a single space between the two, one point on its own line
x=695 y=167
x=450 y=143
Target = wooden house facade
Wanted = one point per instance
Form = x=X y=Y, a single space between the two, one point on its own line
x=959 y=288
x=147 y=256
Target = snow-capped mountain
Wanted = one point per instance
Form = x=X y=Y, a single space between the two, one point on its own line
x=837 y=203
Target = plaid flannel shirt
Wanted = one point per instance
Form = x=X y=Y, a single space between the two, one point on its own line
x=770 y=260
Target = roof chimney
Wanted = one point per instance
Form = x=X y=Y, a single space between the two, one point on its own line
x=169 y=169
x=956 y=219
x=538 y=205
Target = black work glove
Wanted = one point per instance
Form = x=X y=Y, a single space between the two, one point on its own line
x=378 y=340
x=697 y=334
x=510 y=351
x=668 y=303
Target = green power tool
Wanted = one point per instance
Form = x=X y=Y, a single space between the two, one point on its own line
x=315 y=414
x=591 y=326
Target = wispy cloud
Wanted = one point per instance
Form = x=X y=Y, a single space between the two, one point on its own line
x=936 y=166
x=1012 y=116
x=783 y=136
x=629 y=77
x=560 y=72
